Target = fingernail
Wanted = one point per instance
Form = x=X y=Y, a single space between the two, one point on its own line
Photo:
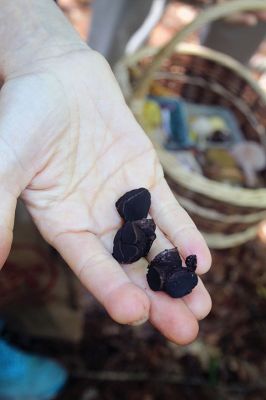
x=140 y=321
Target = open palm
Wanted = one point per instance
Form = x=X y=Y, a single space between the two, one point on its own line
x=71 y=147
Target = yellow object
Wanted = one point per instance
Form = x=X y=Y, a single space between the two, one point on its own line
x=157 y=89
x=221 y=158
x=221 y=166
x=217 y=124
x=261 y=291
x=193 y=136
x=228 y=174
x=151 y=115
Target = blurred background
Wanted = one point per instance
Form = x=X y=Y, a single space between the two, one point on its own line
x=108 y=361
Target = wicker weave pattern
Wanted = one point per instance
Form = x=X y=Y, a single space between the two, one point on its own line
x=226 y=215
x=199 y=78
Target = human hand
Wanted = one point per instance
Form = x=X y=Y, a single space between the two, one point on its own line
x=71 y=147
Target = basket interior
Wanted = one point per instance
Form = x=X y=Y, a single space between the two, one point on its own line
x=204 y=81
x=201 y=79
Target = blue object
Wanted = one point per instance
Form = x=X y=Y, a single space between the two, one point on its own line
x=178 y=137
x=28 y=377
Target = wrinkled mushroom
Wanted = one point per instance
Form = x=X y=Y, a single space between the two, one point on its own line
x=251 y=157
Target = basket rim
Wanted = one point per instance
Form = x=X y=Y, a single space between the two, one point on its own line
x=225 y=241
x=209 y=15
x=201 y=51
x=255 y=198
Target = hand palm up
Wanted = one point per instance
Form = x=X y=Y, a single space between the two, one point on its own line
x=71 y=147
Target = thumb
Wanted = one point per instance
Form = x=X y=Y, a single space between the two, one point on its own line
x=7 y=215
x=11 y=171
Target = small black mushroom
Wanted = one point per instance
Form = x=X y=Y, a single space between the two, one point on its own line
x=148 y=227
x=180 y=282
x=191 y=262
x=157 y=276
x=134 y=205
x=133 y=241
x=168 y=257
x=166 y=273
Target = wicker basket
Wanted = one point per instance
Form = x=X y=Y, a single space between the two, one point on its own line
x=227 y=216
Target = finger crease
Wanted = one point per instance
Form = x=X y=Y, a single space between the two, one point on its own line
x=182 y=229
x=94 y=261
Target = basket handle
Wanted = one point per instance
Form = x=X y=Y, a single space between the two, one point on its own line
x=210 y=14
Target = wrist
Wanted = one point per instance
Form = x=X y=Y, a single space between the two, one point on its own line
x=31 y=31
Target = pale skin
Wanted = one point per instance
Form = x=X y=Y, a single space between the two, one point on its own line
x=70 y=147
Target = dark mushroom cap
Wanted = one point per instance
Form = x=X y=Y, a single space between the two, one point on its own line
x=168 y=257
x=129 y=244
x=134 y=205
x=157 y=276
x=180 y=283
x=191 y=262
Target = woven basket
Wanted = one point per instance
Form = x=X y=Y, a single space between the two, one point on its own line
x=226 y=215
